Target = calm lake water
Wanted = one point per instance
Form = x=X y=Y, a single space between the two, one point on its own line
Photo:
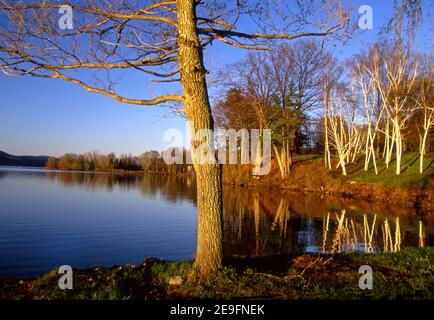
x=48 y=219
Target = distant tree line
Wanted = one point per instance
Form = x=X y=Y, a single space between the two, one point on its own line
x=149 y=162
x=94 y=161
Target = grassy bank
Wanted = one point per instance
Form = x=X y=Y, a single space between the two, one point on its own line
x=408 y=274
x=309 y=174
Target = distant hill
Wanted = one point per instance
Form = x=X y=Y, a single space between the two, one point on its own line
x=27 y=161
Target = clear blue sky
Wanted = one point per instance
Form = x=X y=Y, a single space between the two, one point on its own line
x=52 y=117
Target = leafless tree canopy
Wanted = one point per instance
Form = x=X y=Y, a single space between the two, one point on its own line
x=110 y=37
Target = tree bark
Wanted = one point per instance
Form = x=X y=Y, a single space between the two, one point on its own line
x=209 y=252
x=327 y=160
x=398 y=146
x=422 y=149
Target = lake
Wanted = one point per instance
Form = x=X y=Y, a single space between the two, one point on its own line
x=52 y=218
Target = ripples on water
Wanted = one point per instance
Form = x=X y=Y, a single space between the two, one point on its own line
x=48 y=219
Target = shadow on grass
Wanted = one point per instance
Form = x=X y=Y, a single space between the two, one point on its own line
x=429 y=167
x=408 y=166
x=276 y=264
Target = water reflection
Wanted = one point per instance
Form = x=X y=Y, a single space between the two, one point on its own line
x=50 y=218
x=421 y=235
x=172 y=188
x=272 y=222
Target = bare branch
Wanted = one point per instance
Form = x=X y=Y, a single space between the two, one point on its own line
x=158 y=100
x=103 y=13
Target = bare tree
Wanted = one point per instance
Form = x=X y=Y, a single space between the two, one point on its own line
x=163 y=39
x=297 y=72
x=395 y=87
x=345 y=135
x=284 y=85
x=424 y=100
x=365 y=90
x=253 y=76
x=330 y=77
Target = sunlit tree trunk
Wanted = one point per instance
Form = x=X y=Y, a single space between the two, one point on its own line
x=344 y=136
x=401 y=70
x=209 y=252
x=284 y=159
x=425 y=103
x=373 y=153
x=367 y=147
x=342 y=163
x=422 y=149
x=389 y=144
x=326 y=131
x=386 y=142
x=398 y=148
x=258 y=157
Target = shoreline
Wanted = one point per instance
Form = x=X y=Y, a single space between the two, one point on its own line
x=408 y=274
x=424 y=206
x=310 y=176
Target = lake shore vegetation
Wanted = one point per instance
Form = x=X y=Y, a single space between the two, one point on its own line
x=408 y=274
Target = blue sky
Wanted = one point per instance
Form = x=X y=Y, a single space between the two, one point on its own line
x=52 y=117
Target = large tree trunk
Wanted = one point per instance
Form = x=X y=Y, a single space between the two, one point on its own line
x=209 y=252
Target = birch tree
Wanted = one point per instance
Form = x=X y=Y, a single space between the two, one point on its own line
x=330 y=76
x=425 y=101
x=364 y=88
x=395 y=90
x=345 y=135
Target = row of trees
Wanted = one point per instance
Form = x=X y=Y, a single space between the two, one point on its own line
x=375 y=105
x=150 y=162
x=94 y=161
x=386 y=101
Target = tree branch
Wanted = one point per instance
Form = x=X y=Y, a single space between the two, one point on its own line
x=158 y=100
x=116 y=15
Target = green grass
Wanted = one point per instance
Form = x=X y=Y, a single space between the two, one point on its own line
x=409 y=171
x=408 y=274
x=305 y=157
x=409 y=176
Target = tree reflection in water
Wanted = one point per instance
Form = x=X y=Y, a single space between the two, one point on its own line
x=266 y=221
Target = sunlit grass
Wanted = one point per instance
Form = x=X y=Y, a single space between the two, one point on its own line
x=409 y=171
x=408 y=274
